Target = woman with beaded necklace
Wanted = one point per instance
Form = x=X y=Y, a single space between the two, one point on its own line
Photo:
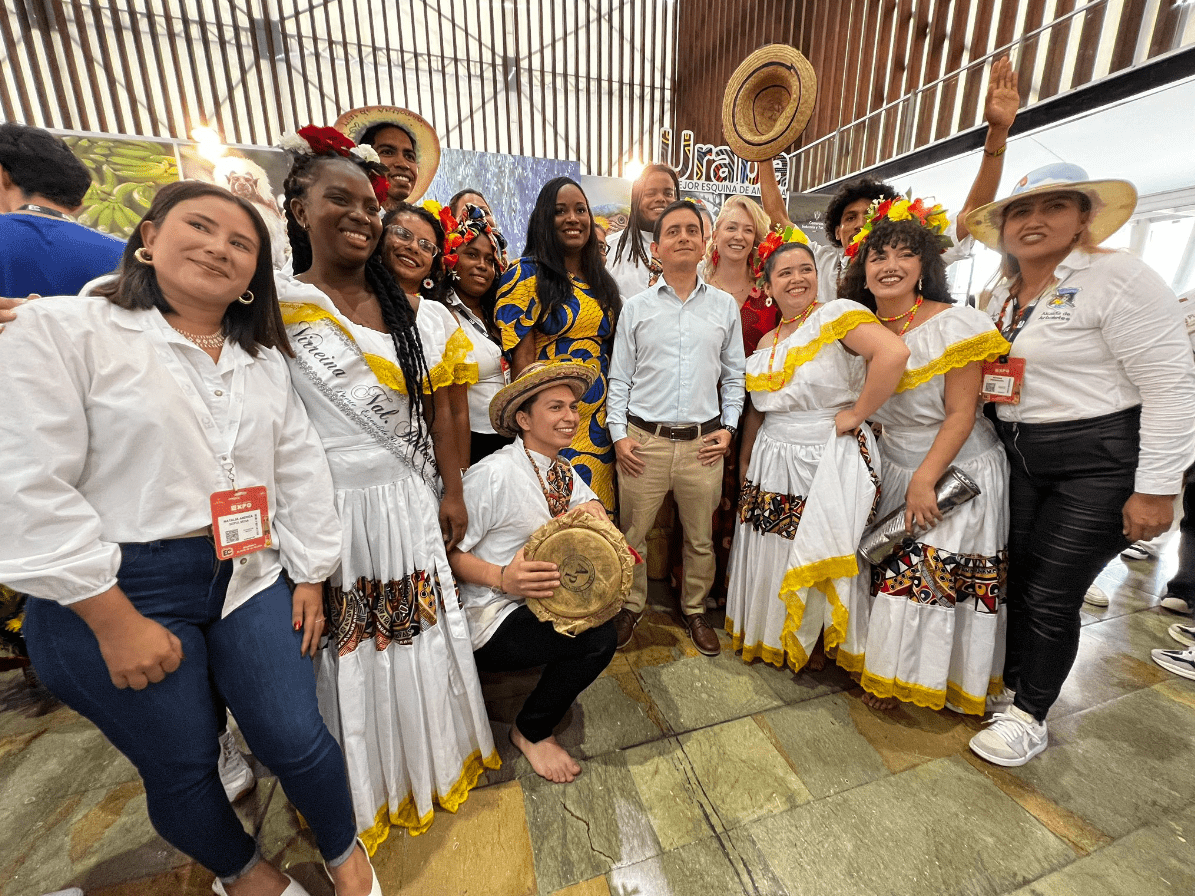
x=936 y=635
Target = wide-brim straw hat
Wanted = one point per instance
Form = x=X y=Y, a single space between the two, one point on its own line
x=596 y=571
x=768 y=101
x=534 y=379
x=1112 y=202
x=355 y=122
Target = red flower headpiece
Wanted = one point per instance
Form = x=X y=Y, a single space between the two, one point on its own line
x=932 y=218
x=773 y=241
x=314 y=140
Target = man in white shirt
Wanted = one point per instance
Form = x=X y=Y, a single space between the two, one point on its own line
x=675 y=342
x=509 y=495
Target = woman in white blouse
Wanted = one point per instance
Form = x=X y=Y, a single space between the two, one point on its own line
x=1094 y=409
x=131 y=420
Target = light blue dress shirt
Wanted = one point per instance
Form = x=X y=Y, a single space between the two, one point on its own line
x=669 y=357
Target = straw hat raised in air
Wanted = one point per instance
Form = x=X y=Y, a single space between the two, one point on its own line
x=768 y=101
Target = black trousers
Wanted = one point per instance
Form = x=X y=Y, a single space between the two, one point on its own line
x=1183 y=583
x=570 y=665
x=483 y=444
x=1067 y=486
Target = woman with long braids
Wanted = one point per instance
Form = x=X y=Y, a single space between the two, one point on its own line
x=559 y=301
x=397 y=681
x=630 y=263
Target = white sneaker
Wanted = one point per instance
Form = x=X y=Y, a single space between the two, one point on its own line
x=1096 y=596
x=1175 y=605
x=1180 y=662
x=1140 y=550
x=235 y=774
x=1012 y=738
x=1183 y=634
x=1002 y=701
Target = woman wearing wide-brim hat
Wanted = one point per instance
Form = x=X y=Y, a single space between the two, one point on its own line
x=1093 y=405
x=405 y=142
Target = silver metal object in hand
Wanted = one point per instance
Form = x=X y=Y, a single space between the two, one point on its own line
x=886 y=536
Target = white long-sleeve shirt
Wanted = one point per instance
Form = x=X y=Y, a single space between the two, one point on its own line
x=102 y=444
x=1108 y=337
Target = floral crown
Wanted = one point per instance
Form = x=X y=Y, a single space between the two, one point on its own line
x=932 y=218
x=458 y=233
x=776 y=238
x=317 y=141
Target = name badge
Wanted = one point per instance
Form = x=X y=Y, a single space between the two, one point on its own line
x=1002 y=380
x=241 y=521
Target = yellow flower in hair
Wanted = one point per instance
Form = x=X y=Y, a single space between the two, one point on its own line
x=939 y=222
x=432 y=206
x=899 y=211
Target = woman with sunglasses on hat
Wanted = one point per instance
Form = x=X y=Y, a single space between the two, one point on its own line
x=1093 y=404
x=153 y=504
x=396 y=679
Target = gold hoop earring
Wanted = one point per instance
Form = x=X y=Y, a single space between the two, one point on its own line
x=143 y=256
x=246 y=301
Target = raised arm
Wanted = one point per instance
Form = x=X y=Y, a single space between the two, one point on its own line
x=999 y=111
x=769 y=193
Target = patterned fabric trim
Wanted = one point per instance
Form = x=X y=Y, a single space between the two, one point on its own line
x=865 y=453
x=454 y=368
x=405 y=815
x=927 y=575
x=12 y=616
x=559 y=491
x=770 y=513
x=984 y=347
x=930 y=698
x=385 y=611
x=771 y=655
x=831 y=331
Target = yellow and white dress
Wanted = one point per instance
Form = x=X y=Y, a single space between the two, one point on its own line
x=808 y=495
x=397 y=683
x=938 y=616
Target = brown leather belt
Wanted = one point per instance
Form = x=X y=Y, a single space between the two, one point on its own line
x=685 y=433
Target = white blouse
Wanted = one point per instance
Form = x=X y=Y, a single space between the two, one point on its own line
x=1109 y=337
x=492 y=373
x=115 y=429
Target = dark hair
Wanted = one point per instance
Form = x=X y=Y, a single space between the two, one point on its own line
x=439 y=289
x=488 y=299
x=371 y=133
x=864 y=188
x=635 y=223
x=1010 y=267
x=397 y=313
x=41 y=164
x=544 y=247
x=465 y=192
x=898 y=234
x=783 y=248
x=679 y=205
x=136 y=284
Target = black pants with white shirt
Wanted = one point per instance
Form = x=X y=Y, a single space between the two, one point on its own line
x=1068 y=484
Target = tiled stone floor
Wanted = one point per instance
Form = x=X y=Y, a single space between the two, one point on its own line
x=708 y=776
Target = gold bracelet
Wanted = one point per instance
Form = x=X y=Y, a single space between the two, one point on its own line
x=998 y=152
x=501 y=575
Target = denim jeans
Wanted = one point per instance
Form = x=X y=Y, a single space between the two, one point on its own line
x=250 y=660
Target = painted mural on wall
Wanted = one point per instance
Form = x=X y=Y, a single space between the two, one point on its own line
x=125 y=176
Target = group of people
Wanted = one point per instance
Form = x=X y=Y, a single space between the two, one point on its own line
x=221 y=471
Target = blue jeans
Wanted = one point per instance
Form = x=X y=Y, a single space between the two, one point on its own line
x=251 y=659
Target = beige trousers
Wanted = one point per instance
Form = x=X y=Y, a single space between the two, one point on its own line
x=671 y=466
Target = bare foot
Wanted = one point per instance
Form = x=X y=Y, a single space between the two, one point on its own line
x=263 y=879
x=881 y=703
x=817 y=659
x=354 y=877
x=547 y=757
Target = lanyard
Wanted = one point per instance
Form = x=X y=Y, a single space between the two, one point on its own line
x=1021 y=316
x=42 y=210
x=472 y=318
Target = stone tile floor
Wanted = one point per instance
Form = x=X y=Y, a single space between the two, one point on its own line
x=707 y=776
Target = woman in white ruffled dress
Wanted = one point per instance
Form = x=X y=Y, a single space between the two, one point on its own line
x=936 y=635
x=812 y=470
x=397 y=683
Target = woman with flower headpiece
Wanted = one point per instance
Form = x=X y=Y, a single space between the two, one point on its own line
x=474 y=259
x=397 y=681
x=936 y=635
x=812 y=471
x=559 y=301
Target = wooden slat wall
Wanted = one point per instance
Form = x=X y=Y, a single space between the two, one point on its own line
x=591 y=80
x=897 y=75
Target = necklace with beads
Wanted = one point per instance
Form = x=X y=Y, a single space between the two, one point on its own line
x=910 y=313
x=799 y=319
x=208 y=343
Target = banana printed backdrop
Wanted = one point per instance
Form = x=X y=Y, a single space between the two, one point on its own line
x=125 y=175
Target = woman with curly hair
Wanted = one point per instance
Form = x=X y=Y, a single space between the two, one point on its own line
x=397 y=681
x=559 y=301
x=936 y=634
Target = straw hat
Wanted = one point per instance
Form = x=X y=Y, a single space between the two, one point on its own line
x=534 y=379
x=596 y=571
x=768 y=102
x=1112 y=202
x=355 y=122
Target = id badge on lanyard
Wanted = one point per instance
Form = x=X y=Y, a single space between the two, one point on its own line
x=1003 y=377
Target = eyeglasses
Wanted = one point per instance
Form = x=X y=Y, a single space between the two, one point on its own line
x=405 y=236
x=604 y=249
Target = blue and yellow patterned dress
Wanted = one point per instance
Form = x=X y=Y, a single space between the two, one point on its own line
x=583 y=331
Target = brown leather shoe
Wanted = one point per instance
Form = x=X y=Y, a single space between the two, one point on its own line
x=703 y=635
x=624 y=624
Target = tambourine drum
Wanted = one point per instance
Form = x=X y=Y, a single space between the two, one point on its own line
x=596 y=570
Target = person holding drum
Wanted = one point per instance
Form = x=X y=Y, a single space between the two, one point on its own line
x=509 y=495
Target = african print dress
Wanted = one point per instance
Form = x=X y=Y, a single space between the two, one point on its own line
x=396 y=682
x=938 y=616
x=583 y=331
x=808 y=495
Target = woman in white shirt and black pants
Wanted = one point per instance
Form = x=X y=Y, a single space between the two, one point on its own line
x=1094 y=408
x=129 y=421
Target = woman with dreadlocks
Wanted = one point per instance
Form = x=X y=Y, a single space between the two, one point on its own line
x=397 y=682
x=630 y=264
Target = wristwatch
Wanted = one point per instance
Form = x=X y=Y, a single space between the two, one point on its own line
x=732 y=430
